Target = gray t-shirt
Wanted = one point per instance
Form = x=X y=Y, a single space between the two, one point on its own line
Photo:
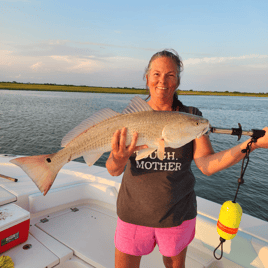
x=157 y=193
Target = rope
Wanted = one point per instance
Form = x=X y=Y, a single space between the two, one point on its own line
x=221 y=244
x=244 y=165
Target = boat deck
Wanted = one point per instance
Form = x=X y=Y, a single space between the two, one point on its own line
x=73 y=226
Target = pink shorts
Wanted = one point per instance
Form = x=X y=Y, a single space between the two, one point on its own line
x=140 y=240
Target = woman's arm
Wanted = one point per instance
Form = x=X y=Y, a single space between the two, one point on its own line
x=210 y=162
x=120 y=153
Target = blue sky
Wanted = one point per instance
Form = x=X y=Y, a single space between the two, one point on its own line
x=223 y=44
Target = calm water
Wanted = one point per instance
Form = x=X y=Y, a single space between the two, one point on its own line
x=34 y=123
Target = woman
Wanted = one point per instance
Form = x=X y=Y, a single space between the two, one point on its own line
x=158 y=205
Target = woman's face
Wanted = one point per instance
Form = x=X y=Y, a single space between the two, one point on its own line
x=162 y=79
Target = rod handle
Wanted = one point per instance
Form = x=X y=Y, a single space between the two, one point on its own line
x=258 y=133
x=8 y=178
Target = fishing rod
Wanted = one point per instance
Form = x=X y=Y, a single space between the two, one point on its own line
x=254 y=133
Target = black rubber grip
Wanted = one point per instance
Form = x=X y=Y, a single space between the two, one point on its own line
x=258 y=133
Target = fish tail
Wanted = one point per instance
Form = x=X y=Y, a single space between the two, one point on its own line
x=41 y=169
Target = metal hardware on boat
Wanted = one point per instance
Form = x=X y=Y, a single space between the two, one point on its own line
x=44 y=220
x=74 y=209
x=27 y=246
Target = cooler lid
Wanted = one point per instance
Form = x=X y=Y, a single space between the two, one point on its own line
x=11 y=215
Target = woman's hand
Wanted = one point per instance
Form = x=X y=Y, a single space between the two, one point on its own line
x=120 y=152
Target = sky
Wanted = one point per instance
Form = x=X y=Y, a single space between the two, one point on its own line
x=223 y=44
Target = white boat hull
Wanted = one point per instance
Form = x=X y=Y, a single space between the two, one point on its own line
x=73 y=225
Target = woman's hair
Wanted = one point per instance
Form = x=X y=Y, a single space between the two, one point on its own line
x=168 y=53
x=172 y=54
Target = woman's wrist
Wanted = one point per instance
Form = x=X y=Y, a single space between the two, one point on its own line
x=115 y=166
x=254 y=146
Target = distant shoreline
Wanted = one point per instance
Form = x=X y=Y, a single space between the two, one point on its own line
x=118 y=90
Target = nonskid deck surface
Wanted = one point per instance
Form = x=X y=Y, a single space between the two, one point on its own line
x=85 y=234
x=88 y=230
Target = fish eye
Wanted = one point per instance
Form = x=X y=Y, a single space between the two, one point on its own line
x=197 y=123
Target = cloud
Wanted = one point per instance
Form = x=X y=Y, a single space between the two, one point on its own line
x=75 y=63
x=37 y=65
x=70 y=48
x=68 y=61
x=5 y=57
x=92 y=64
x=216 y=60
x=247 y=73
x=86 y=69
x=51 y=48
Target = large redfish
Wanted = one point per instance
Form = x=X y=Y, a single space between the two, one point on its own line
x=90 y=139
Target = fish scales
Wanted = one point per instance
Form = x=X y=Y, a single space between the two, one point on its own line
x=149 y=125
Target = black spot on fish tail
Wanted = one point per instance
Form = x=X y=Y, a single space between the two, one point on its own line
x=48 y=160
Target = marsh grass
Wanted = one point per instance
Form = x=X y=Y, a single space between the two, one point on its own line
x=71 y=88
x=68 y=88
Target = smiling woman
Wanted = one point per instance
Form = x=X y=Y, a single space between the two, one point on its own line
x=172 y=54
x=164 y=79
x=174 y=214
x=157 y=203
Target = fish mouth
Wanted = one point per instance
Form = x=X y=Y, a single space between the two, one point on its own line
x=203 y=132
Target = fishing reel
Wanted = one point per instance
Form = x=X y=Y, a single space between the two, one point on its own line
x=231 y=212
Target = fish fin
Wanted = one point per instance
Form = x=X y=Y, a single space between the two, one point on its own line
x=137 y=104
x=96 y=118
x=91 y=158
x=161 y=149
x=40 y=168
x=144 y=153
